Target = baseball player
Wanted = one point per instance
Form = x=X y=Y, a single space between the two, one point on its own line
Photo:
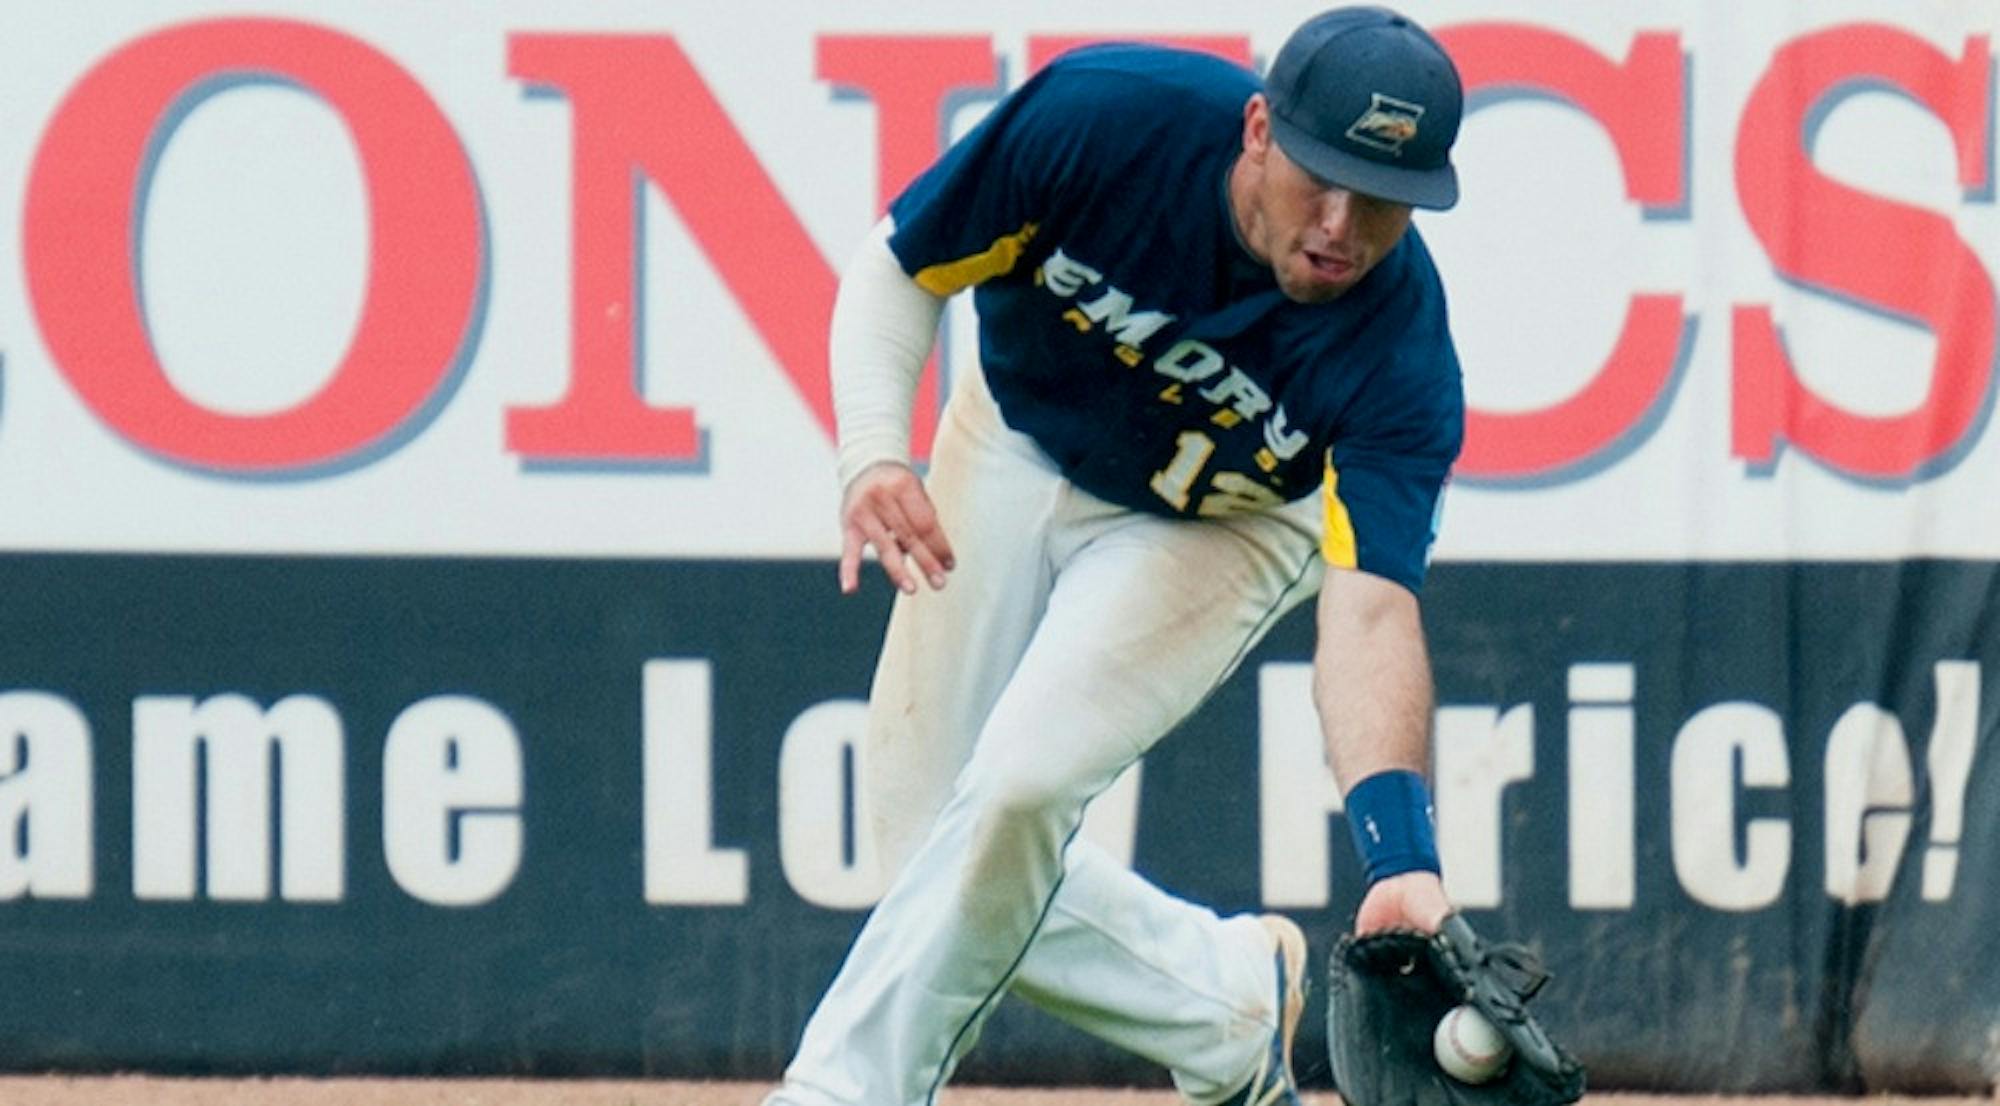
x=1215 y=378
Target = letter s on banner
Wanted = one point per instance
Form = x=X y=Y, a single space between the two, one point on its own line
x=1840 y=240
x=1641 y=105
x=86 y=189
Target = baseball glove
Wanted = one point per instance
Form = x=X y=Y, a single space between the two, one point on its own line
x=1388 y=991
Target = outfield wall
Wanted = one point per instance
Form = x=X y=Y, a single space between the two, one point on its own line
x=421 y=652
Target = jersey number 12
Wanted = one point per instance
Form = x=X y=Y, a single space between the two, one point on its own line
x=1230 y=492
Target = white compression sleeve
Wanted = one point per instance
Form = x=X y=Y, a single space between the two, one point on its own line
x=883 y=329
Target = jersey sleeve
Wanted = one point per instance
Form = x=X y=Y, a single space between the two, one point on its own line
x=973 y=214
x=1386 y=471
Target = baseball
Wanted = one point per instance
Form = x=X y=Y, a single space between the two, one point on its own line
x=1468 y=1048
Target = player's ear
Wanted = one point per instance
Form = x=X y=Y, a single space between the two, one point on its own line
x=1256 y=127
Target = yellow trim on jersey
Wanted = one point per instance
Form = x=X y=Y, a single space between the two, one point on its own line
x=1337 y=545
x=949 y=277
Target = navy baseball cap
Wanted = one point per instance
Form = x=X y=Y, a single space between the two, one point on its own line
x=1368 y=100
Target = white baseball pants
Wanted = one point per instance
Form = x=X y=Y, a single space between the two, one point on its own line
x=1072 y=636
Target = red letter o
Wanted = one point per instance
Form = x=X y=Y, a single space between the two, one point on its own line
x=424 y=257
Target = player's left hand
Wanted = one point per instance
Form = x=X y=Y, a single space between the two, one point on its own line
x=1386 y=992
x=1410 y=901
x=887 y=508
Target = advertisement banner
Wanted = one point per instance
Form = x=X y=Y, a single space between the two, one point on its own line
x=448 y=815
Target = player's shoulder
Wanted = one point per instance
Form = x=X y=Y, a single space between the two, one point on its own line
x=1421 y=360
x=1109 y=76
x=1126 y=115
x=1399 y=309
x=1420 y=268
x=1388 y=342
x=1407 y=291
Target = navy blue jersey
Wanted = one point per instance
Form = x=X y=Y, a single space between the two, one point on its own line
x=1126 y=329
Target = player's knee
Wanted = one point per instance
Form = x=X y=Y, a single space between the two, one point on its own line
x=1017 y=831
x=1029 y=792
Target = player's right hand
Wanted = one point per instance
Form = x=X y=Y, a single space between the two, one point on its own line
x=886 y=508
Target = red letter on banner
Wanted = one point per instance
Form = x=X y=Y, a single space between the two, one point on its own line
x=911 y=81
x=423 y=264
x=1840 y=240
x=1641 y=105
x=640 y=109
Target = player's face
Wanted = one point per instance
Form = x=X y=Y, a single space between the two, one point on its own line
x=1319 y=238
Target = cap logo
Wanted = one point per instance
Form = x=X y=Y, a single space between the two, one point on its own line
x=1387 y=124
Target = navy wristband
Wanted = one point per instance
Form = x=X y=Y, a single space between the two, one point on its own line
x=1389 y=815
